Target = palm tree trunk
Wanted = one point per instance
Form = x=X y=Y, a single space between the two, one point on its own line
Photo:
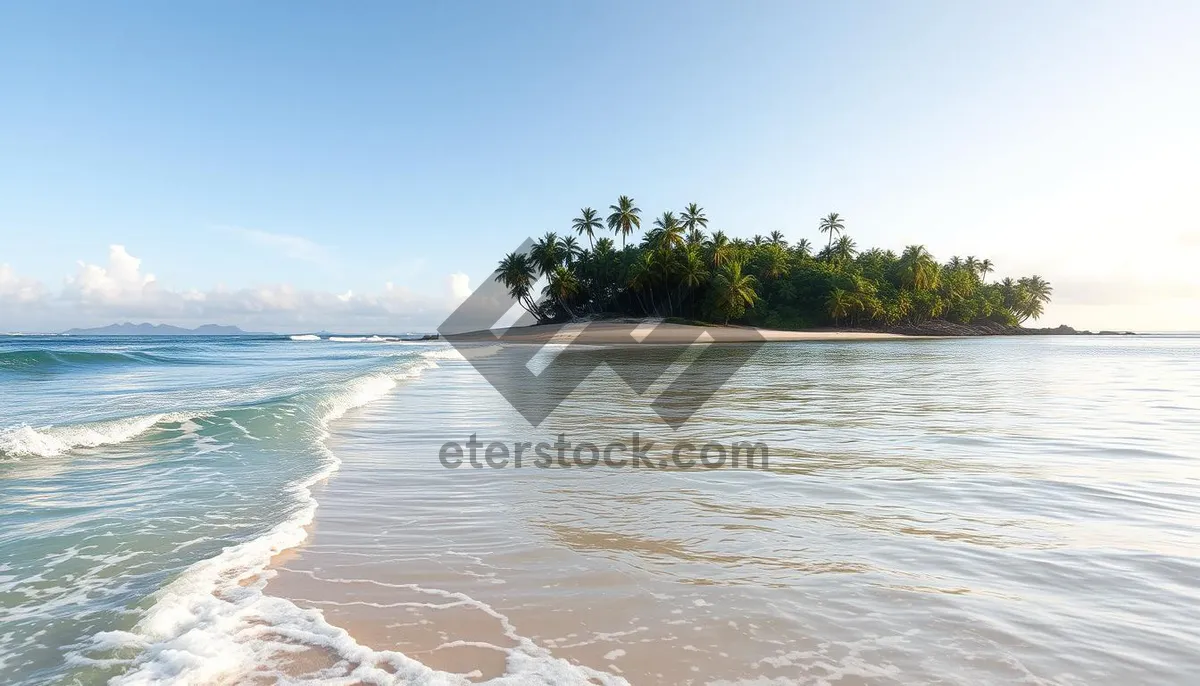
x=566 y=307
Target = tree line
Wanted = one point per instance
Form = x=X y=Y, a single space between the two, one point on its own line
x=680 y=269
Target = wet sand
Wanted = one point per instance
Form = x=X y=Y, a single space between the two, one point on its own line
x=936 y=542
x=475 y=572
x=664 y=333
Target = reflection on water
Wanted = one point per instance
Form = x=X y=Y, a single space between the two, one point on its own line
x=965 y=511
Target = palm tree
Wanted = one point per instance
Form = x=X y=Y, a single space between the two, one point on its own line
x=1008 y=288
x=641 y=277
x=774 y=261
x=587 y=222
x=838 y=303
x=562 y=286
x=624 y=218
x=603 y=263
x=719 y=248
x=570 y=250
x=985 y=268
x=676 y=267
x=694 y=222
x=1034 y=292
x=547 y=253
x=918 y=270
x=844 y=249
x=692 y=272
x=734 y=290
x=670 y=232
x=832 y=224
x=517 y=272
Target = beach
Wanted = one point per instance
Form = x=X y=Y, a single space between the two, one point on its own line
x=580 y=344
x=906 y=547
x=263 y=510
x=634 y=331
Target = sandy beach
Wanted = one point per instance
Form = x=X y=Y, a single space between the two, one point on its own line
x=632 y=331
x=896 y=547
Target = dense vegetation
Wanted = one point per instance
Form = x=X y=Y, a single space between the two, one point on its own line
x=679 y=269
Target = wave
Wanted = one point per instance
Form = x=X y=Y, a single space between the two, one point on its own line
x=27 y=441
x=215 y=624
x=62 y=360
x=202 y=625
x=363 y=339
x=356 y=339
x=50 y=441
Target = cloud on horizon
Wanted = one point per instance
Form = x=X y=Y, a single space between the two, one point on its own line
x=17 y=289
x=119 y=290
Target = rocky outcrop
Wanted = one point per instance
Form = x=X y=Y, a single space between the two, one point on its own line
x=945 y=328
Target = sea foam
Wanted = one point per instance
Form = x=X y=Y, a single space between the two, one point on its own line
x=214 y=623
x=27 y=441
x=362 y=339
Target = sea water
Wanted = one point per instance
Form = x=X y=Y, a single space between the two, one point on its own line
x=956 y=511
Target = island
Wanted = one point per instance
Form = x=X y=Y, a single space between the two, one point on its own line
x=679 y=271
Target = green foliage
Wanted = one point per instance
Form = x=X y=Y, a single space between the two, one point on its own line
x=678 y=270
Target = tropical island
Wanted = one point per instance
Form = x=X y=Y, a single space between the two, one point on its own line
x=680 y=271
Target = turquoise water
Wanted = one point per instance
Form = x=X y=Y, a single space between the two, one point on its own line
x=125 y=461
x=952 y=511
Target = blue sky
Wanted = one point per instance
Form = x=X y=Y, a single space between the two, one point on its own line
x=278 y=164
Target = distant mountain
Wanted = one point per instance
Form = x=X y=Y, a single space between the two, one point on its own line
x=131 y=329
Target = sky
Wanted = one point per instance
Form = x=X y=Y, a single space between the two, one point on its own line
x=297 y=166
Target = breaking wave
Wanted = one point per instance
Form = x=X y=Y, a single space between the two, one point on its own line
x=215 y=624
x=27 y=441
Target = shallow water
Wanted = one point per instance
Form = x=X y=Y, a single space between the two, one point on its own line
x=959 y=511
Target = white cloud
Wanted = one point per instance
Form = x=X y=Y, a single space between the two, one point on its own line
x=120 y=290
x=460 y=286
x=18 y=289
x=287 y=245
x=121 y=281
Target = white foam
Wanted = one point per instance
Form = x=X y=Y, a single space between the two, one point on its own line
x=362 y=339
x=214 y=624
x=305 y=337
x=444 y=354
x=356 y=394
x=27 y=441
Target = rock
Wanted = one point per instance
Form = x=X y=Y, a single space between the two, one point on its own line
x=938 y=327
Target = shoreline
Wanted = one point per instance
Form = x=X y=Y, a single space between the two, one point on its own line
x=433 y=572
x=634 y=332
x=638 y=332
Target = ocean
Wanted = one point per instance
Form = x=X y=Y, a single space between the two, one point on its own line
x=265 y=509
